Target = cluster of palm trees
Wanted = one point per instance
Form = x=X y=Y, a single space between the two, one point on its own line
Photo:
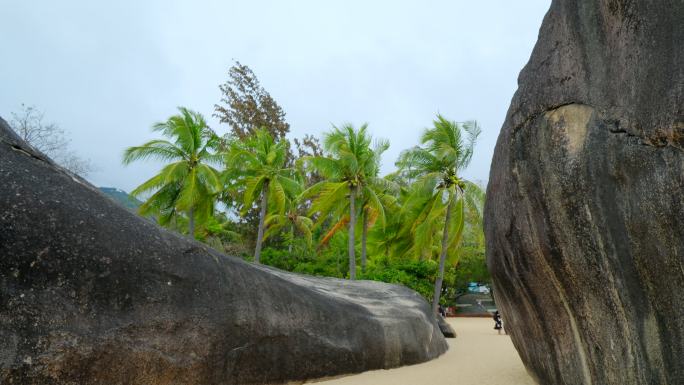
x=420 y=211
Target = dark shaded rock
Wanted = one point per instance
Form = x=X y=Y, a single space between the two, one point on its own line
x=584 y=212
x=447 y=330
x=93 y=294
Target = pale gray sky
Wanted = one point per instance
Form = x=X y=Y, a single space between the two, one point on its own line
x=106 y=71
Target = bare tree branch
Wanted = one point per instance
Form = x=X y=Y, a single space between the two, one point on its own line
x=49 y=139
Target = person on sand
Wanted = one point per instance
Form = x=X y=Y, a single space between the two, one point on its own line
x=497 y=321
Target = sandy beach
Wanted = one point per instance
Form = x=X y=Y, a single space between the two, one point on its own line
x=478 y=356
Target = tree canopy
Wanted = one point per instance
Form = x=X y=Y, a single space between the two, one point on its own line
x=247 y=107
x=326 y=208
x=188 y=183
x=257 y=163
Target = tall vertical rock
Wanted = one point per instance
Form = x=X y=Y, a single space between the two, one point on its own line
x=585 y=206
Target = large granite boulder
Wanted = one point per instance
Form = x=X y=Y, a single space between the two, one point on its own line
x=93 y=294
x=584 y=216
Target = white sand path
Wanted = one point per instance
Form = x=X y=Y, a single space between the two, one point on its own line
x=478 y=356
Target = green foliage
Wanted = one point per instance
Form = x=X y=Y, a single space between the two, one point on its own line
x=350 y=161
x=418 y=275
x=258 y=161
x=420 y=226
x=257 y=165
x=281 y=258
x=220 y=233
x=305 y=260
x=471 y=268
x=440 y=195
x=349 y=169
x=292 y=219
x=188 y=183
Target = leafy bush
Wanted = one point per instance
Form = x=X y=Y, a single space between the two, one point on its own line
x=417 y=275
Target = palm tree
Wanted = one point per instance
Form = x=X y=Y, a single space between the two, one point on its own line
x=291 y=218
x=392 y=239
x=441 y=194
x=349 y=170
x=258 y=164
x=375 y=197
x=378 y=195
x=189 y=183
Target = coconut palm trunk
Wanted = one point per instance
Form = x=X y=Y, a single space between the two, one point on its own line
x=191 y=222
x=352 y=225
x=262 y=218
x=364 y=237
x=289 y=247
x=442 y=257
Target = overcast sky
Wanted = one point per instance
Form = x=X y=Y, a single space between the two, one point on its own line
x=106 y=71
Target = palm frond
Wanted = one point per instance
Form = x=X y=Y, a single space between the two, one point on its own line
x=209 y=177
x=375 y=204
x=253 y=188
x=153 y=183
x=332 y=194
x=340 y=225
x=157 y=149
x=190 y=193
x=277 y=195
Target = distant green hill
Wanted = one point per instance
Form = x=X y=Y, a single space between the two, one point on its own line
x=121 y=197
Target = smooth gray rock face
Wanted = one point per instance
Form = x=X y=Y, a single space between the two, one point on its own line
x=447 y=330
x=584 y=216
x=93 y=294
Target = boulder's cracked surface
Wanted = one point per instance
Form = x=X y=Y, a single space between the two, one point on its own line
x=585 y=206
x=92 y=294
